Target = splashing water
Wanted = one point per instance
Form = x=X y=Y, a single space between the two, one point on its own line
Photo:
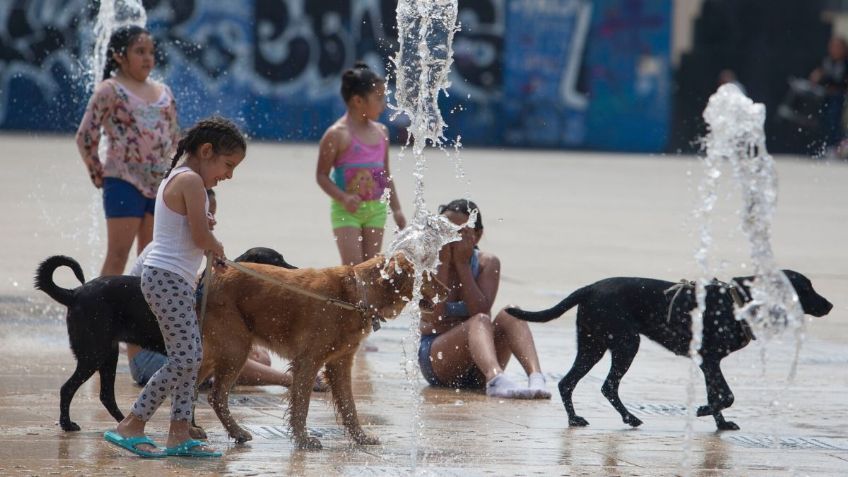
x=736 y=136
x=113 y=14
x=422 y=65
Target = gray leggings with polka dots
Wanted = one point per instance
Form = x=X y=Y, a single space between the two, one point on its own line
x=171 y=299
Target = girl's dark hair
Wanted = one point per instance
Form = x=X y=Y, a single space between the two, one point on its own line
x=221 y=133
x=359 y=81
x=464 y=206
x=120 y=40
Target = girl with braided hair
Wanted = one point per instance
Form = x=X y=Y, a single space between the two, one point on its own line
x=213 y=148
x=136 y=117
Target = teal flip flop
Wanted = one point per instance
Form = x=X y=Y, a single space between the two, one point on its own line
x=187 y=449
x=131 y=444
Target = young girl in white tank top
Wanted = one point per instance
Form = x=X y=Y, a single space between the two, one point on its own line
x=181 y=234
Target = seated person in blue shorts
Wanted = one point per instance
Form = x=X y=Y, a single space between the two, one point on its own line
x=461 y=345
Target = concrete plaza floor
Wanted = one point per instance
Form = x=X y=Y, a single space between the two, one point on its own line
x=557 y=221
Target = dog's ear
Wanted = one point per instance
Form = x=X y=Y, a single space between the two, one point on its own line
x=398 y=266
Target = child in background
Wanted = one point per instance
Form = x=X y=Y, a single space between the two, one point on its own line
x=213 y=149
x=138 y=118
x=356 y=148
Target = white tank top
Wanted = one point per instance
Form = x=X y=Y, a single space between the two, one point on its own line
x=172 y=248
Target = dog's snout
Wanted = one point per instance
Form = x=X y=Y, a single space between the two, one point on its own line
x=825 y=308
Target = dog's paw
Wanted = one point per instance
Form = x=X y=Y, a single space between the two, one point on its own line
x=241 y=436
x=69 y=426
x=366 y=440
x=577 y=421
x=727 y=426
x=308 y=443
x=705 y=411
x=197 y=432
x=632 y=420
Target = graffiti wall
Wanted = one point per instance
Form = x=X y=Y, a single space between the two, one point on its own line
x=590 y=74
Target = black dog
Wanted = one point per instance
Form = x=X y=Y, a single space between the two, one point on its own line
x=103 y=312
x=612 y=313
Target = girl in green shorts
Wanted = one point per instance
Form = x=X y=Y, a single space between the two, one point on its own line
x=356 y=150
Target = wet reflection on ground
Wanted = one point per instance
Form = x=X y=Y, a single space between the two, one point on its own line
x=463 y=432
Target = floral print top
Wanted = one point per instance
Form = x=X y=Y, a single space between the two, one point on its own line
x=140 y=137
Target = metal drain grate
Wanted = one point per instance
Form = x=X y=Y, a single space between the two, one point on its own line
x=654 y=409
x=283 y=432
x=378 y=471
x=256 y=401
x=765 y=442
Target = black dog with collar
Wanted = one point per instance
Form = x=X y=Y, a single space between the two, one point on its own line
x=614 y=312
x=104 y=312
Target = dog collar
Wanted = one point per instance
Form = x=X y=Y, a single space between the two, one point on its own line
x=362 y=306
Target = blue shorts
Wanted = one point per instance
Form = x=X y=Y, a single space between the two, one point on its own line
x=122 y=199
x=144 y=364
x=472 y=378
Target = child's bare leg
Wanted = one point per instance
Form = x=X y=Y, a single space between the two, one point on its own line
x=516 y=334
x=473 y=342
x=255 y=373
x=469 y=343
x=349 y=242
x=120 y=232
x=372 y=242
x=512 y=336
x=145 y=233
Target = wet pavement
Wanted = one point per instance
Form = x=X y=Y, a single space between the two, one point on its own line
x=557 y=221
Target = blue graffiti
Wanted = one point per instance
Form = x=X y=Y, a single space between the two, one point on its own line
x=591 y=74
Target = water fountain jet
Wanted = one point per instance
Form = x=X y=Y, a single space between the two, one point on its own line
x=736 y=137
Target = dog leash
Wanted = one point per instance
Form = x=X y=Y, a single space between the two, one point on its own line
x=361 y=307
x=204 y=295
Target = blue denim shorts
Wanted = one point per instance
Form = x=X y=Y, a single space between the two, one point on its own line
x=471 y=379
x=122 y=199
x=144 y=364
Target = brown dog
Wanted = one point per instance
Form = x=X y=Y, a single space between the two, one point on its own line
x=244 y=309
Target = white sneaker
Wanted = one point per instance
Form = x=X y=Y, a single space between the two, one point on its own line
x=502 y=387
x=536 y=383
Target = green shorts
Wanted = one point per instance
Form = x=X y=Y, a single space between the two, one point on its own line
x=370 y=214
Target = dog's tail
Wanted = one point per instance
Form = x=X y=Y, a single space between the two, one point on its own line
x=551 y=313
x=44 y=278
